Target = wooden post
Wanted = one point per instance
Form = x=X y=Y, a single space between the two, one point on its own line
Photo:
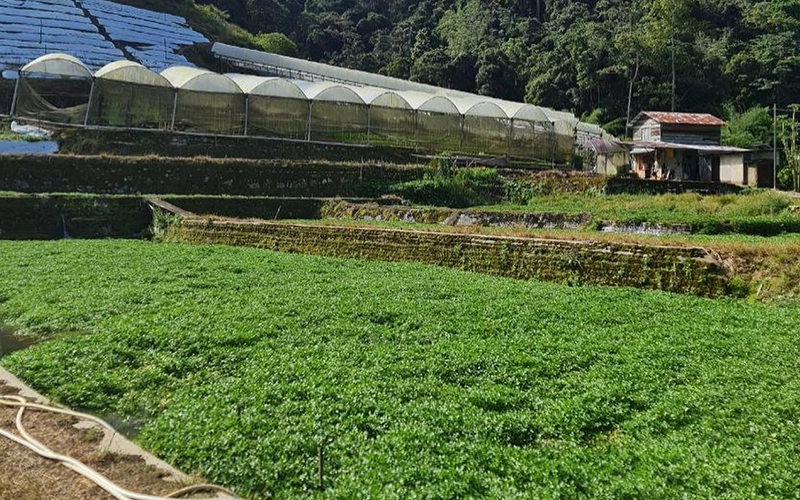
x=320 y=468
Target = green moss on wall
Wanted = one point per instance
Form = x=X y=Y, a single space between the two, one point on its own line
x=685 y=270
x=51 y=217
x=164 y=143
x=158 y=175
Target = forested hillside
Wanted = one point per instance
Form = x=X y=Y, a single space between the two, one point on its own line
x=585 y=56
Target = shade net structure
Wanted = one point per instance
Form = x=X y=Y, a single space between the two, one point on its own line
x=532 y=135
x=391 y=118
x=275 y=107
x=485 y=127
x=532 y=140
x=54 y=88
x=7 y=86
x=437 y=122
x=127 y=94
x=337 y=113
x=207 y=103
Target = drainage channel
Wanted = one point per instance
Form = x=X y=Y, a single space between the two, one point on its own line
x=11 y=342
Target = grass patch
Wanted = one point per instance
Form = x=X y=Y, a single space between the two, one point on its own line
x=413 y=378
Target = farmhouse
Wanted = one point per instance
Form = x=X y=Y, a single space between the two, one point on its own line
x=686 y=146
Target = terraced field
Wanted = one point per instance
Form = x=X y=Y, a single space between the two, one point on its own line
x=415 y=381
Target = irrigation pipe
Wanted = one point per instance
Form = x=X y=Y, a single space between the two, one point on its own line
x=28 y=441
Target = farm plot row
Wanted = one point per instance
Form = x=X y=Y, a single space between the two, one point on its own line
x=417 y=382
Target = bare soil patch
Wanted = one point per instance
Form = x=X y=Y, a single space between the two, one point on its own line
x=26 y=476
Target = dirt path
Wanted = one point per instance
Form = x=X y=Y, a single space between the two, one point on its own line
x=26 y=476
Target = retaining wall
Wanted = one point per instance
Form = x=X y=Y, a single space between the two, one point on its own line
x=165 y=143
x=685 y=270
x=157 y=175
x=343 y=209
x=625 y=185
x=52 y=217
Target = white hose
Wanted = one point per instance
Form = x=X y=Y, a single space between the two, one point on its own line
x=28 y=441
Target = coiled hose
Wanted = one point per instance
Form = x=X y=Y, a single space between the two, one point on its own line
x=28 y=441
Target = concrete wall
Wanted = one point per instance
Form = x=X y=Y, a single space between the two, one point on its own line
x=731 y=170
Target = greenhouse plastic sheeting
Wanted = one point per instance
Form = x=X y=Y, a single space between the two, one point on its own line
x=61 y=100
x=339 y=122
x=6 y=95
x=210 y=113
x=126 y=94
x=120 y=104
x=277 y=117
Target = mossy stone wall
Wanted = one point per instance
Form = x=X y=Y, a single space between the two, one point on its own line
x=53 y=217
x=685 y=270
x=157 y=175
x=343 y=209
x=165 y=143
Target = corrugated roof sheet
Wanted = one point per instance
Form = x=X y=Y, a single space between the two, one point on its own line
x=604 y=147
x=710 y=149
x=671 y=118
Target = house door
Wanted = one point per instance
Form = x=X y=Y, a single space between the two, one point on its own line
x=715 y=169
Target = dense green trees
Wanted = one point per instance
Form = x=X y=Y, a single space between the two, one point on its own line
x=616 y=56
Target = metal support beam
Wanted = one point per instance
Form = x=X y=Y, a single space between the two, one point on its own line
x=416 y=130
x=509 y=138
x=174 y=110
x=89 y=105
x=16 y=95
x=369 y=123
x=461 y=135
x=246 y=114
x=308 y=123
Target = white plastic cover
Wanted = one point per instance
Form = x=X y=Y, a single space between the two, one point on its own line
x=477 y=106
x=267 y=86
x=522 y=111
x=330 y=92
x=200 y=80
x=383 y=98
x=58 y=65
x=430 y=103
x=131 y=72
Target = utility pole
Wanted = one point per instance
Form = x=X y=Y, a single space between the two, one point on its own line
x=774 y=145
x=672 y=47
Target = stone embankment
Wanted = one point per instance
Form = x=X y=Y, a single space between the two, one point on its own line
x=674 y=269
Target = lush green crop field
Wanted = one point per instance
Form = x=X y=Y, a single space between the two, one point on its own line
x=755 y=212
x=419 y=382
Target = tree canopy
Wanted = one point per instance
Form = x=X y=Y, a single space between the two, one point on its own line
x=608 y=57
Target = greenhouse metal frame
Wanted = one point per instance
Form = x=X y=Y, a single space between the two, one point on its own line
x=191 y=100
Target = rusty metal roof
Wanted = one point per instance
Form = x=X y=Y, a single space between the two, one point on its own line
x=703 y=119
